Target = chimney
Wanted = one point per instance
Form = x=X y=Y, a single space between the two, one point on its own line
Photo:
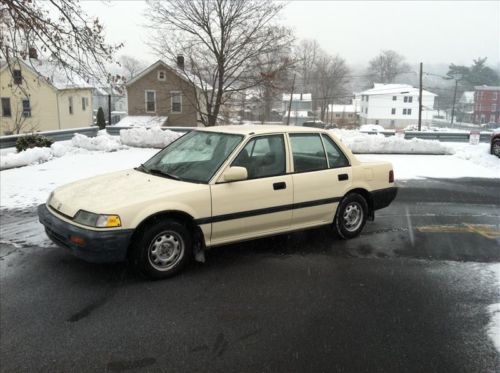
x=180 y=61
x=33 y=54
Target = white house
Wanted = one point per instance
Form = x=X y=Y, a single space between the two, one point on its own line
x=395 y=105
x=300 y=108
x=342 y=115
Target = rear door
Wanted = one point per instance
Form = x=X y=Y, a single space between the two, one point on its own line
x=260 y=205
x=321 y=177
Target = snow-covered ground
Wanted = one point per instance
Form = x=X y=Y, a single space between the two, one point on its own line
x=494 y=309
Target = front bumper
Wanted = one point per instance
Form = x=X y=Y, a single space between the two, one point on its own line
x=99 y=247
x=383 y=197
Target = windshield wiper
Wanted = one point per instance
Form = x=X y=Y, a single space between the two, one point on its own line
x=155 y=171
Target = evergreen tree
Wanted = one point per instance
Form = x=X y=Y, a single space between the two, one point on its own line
x=477 y=74
x=101 y=122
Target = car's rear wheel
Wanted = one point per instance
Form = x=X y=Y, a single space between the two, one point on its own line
x=495 y=148
x=162 y=250
x=351 y=216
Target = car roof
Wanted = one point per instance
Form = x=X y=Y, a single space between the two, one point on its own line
x=259 y=129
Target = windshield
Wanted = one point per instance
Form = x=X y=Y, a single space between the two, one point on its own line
x=194 y=157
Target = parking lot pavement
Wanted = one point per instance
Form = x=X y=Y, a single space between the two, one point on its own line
x=410 y=294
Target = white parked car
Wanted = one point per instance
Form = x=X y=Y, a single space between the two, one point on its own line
x=216 y=186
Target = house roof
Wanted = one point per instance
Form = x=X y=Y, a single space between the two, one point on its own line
x=389 y=89
x=487 y=88
x=297 y=97
x=184 y=75
x=341 y=108
x=56 y=75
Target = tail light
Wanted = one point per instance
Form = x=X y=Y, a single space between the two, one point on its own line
x=391 y=176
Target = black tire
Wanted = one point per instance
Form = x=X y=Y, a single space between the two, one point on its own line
x=495 y=148
x=351 y=216
x=162 y=249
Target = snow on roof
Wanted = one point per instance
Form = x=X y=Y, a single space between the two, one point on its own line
x=389 y=89
x=142 y=121
x=297 y=97
x=487 y=88
x=298 y=113
x=57 y=75
x=467 y=97
x=341 y=108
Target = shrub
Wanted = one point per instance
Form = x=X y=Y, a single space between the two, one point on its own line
x=101 y=122
x=32 y=141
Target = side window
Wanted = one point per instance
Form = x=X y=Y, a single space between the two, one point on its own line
x=263 y=156
x=308 y=152
x=335 y=156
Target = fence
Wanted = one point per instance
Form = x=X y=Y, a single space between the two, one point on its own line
x=10 y=141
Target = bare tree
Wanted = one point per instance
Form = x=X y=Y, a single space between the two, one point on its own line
x=131 y=66
x=221 y=40
x=306 y=54
x=58 y=29
x=331 y=76
x=386 y=66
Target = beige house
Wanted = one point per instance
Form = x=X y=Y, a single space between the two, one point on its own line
x=40 y=96
x=162 y=91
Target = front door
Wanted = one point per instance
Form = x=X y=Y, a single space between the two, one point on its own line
x=260 y=205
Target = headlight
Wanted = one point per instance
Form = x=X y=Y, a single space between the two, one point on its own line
x=97 y=220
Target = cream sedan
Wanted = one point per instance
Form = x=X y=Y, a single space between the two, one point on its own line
x=216 y=186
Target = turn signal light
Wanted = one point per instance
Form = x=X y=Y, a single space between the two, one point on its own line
x=391 y=176
x=77 y=240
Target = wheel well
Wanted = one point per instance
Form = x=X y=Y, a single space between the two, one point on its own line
x=366 y=195
x=179 y=216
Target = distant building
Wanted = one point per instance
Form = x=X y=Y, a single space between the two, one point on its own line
x=341 y=115
x=486 y=104
x=119 y=104
x=395 y=105
x=466 y=107
x=39 y=95
x=300 y=108
x=163 y=90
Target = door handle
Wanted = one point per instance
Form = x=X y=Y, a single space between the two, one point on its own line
x=343 y=177
x=278 y=186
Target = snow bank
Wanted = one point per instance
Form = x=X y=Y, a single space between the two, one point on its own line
x=371 y=128
x=494 y=310
x=363 y=143
x=141 y=121
x=27 y=157
x=102 y=142
x=154 y=137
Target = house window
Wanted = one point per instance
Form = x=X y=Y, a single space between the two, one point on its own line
x=176 y=102
x=26 y=108
x=410 y=99
x=162 y=75
x=376 y=121
x=393 y=111
x=404 y=111
x=493 y=108
x=367 y=97
x=408 y=111
x=405 y=99
x=70 y=104
x=366 y=110
x=337 y=115
x=6 y=112
x=150 y=101
x=394 y=98
x=392 y=122
x=85 y=103
x=494 y=96
x=18 y=77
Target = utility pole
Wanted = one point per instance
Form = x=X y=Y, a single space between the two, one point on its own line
x=290 y=103
x=454 y=100
x=420 y=100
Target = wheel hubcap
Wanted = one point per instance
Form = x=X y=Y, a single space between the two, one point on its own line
x=353 y=216
x=166 y=250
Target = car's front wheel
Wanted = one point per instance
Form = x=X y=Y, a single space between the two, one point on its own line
x=495 y=148
x=162 y=250
x=351 y=216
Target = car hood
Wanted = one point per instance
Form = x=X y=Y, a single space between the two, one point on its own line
x=108 y=193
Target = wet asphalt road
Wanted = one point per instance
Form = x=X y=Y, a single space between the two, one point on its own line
x=409 y=295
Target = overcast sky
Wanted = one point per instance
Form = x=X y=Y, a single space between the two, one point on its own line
x=423 y=31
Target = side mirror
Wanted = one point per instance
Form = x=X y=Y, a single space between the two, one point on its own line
x=235 y=174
